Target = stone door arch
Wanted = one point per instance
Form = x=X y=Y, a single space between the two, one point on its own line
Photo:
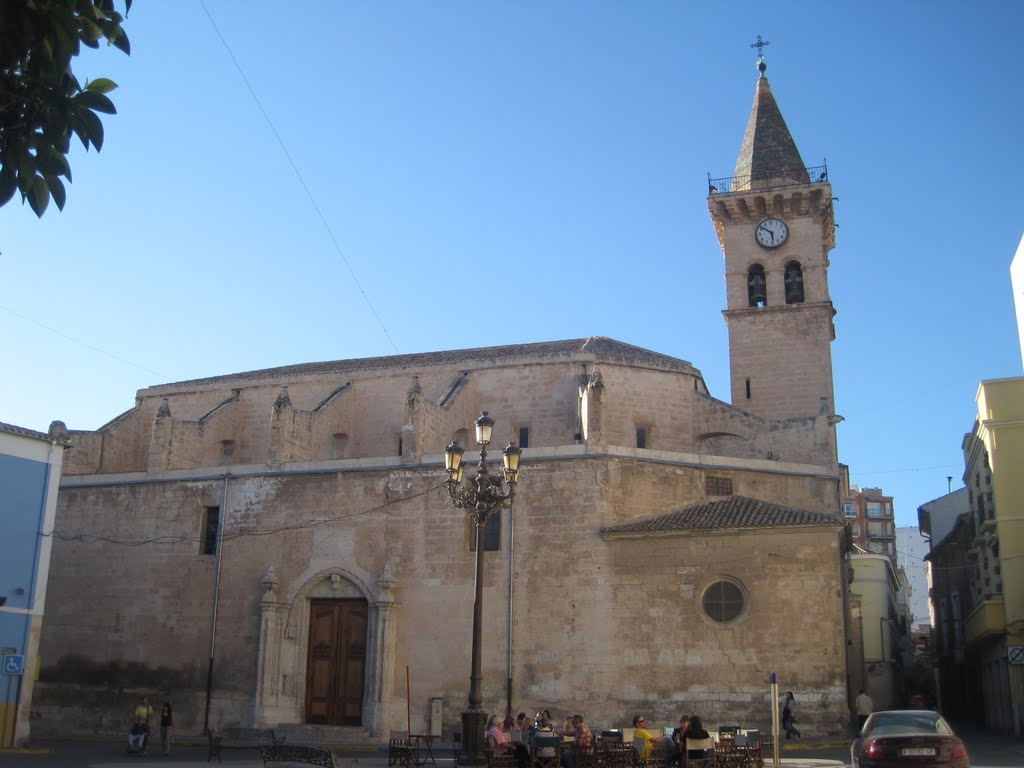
x=284 y=655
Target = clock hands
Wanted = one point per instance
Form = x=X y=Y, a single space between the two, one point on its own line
x=771 y=233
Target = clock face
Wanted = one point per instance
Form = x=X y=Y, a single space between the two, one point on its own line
x=771 y=233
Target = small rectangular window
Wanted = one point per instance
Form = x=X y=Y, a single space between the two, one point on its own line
x=492 y=533
x=524 y=437
x=748 y=389
x=211 y=526
x=718 y=486
x=641 y=437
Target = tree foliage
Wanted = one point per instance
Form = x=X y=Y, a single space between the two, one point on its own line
x=41 y=101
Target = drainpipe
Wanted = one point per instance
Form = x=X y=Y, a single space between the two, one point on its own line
x=216 y=601
x=511 y=582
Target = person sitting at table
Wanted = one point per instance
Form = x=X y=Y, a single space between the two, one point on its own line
x=695 y=731
x=521 y=723
x=583 y=741
x=511 y=729
x=545 y=754
x=672 y=745
x=643 y=744
x=500 y=744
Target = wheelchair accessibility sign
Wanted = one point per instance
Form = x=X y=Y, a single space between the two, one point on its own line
x=13 y=663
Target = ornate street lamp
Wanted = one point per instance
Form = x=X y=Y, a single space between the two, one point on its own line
x=481 y=495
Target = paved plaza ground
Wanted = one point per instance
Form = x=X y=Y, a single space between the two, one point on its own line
x=987 y=751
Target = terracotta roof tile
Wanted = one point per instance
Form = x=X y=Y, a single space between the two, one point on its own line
x=728 y=512
x=11 y=429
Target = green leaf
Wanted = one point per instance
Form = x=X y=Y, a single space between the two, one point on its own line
x=8 y=186
x=100 y=85
x=88 y=7
x=121 y=42
x=79 y=127
x=26 y=172
x=89 y=32
x=56 y=187
x=96 y=102
x=93 y=128
x=39 y=196
x=51 y=161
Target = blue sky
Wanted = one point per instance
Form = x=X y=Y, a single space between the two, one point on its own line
x=508 y=172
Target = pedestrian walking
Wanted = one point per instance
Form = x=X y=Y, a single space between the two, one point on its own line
x=789 y=713
x=166 y=727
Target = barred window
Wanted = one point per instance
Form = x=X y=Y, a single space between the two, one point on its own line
x=718 y=486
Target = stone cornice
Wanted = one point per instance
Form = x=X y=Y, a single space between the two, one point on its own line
x=750 y=206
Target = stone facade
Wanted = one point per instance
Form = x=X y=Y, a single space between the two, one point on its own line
x=277 y=547
x=600 y=622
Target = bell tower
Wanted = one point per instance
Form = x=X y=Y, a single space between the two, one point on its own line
x=775 y=225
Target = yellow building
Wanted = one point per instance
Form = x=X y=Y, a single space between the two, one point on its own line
x=994 y=626
x=875 y=587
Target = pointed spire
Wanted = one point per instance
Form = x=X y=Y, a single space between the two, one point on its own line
x=769 y=156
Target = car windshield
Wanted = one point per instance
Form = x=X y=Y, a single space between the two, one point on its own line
x=895 y=723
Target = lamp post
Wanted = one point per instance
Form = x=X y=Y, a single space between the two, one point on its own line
x=479 y=496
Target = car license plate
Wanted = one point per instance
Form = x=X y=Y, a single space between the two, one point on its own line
x=917 y=752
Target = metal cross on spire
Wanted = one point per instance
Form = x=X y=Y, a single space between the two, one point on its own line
x=760 y=44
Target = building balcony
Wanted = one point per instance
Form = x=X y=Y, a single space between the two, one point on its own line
x=986 y=621
x=796 y=177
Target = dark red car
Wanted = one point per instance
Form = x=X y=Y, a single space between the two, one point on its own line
x=908 y=738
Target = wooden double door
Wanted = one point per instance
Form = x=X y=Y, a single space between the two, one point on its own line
x=336 y=665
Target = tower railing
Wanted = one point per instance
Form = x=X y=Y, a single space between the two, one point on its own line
x=796 y=178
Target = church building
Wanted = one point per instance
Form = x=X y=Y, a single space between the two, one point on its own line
x=277 y=548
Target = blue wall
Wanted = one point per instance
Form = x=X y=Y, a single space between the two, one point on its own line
x=22 y=495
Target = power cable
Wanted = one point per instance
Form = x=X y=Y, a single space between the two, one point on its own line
x=163 y=376
x=298 y=175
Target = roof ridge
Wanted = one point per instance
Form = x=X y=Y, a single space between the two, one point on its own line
x=600 y=347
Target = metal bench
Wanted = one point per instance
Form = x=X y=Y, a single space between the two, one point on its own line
x=296 y=753
x=243 y=736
